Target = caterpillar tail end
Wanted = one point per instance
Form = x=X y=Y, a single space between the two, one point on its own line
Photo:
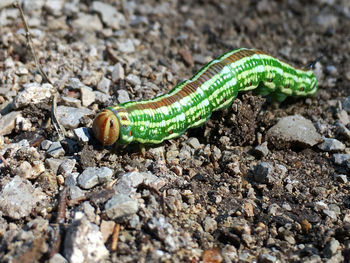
x=106 y=127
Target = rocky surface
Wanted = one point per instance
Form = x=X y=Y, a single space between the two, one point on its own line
x=259 y=182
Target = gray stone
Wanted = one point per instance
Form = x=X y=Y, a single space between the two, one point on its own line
x=331 y=145
x=123 y=96
x=103 y=85
x=93 y=176
x=133 y=80
x=331 y=248
x=209 y=224
x=70 y=101
x=66 y=167
x=75 y=83
x=293 y=131
x=54 y=7
x=82 y=134
x=5 y=3
x=69 y=117
x=346 y=104
x=342 y=178
x=118 y=72
x=75 y=192
x=33 y=93
x=120 y=206
x=8 y=122
x=71 y=179
x=165 y=232
x=267 y=258
x=263 y=172
x=58 y=258
x=84 y=243
x=331 y=214
x=126 y=46
x=87 y=22
x=89 y=211
x=55 y=150
x=342 y=131
x=18 y=198
x=128 y=183
x=87 y=96
x=110 y=16
x=53 y=164
x=261 y=150
x=101 y=97
x=343 y=117
x=341 y=158
x=194 y=143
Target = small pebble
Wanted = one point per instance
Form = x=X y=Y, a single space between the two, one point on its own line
x=104 y=85
x=8 y=122
x=82 y=134
x=55 y=150
x=342 y=178
x=331 y=145
x=340 y=158
x=69 y=117
x=123 y=96
x=263 y=172
x=261 y=150
x=70 y=101
x=118 y=72
x=120 y=206
x=87 y=96
x=133 y=80
x=66 y=167
x=346 y=104
x=293 y=131
x=331 y=248
x=209 y=224
x=93 y=176
x=194 y=143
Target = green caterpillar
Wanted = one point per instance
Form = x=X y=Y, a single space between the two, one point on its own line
x=191 y=102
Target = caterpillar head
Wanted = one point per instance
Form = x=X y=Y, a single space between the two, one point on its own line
x=106 y=127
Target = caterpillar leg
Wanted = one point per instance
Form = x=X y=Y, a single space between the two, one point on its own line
x=142 y=149
x=277 y=96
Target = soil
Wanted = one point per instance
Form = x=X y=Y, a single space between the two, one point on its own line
x=210 y=207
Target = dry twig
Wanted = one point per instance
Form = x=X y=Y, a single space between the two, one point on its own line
x=30 y=44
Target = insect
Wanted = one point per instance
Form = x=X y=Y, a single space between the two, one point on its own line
x=191 y=102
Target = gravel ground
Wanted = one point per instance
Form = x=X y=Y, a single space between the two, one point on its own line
x=259 y=182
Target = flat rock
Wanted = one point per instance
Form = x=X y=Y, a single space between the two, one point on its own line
x=120 y=206
x=117 y=72
x=69 y=117
x=82 y=134
x=104 y=84
x=55 y=150
x=8 y=122
x=293 y=131
x=261 y=150
x=18 y=198
x=33 y=93
x=66 y=167
x=93 y=176
x=84 y=243
x=126 y=46
x=341 y=158
x=346 y=104
x=123 y=96
x=87 y=96
x=109 y=14
x=87 y=22
x=263 y=172
x=331 y=145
